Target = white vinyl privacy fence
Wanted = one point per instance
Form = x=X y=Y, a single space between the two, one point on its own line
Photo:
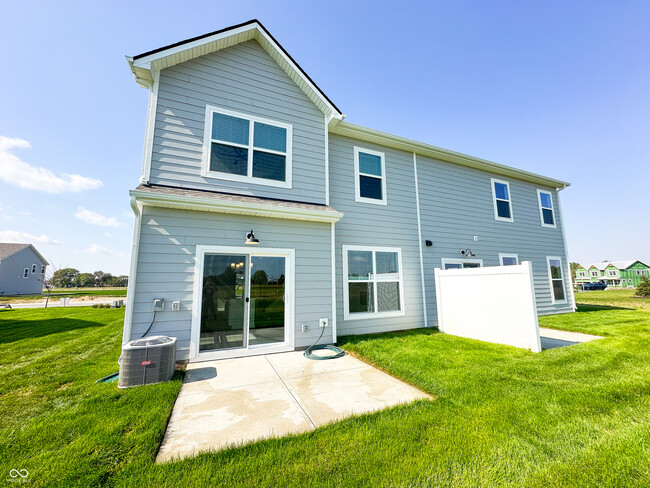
x=492 y=304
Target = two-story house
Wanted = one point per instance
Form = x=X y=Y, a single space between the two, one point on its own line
x=262 y=214
x=615 y=274
x=22 y=269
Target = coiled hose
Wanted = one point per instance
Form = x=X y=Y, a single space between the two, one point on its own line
x=308 y=352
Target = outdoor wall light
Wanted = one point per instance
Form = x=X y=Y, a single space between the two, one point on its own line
x=250 y=238
x=428 y=243
x=467 y=253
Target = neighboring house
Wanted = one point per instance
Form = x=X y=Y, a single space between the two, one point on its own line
x=22 y=269
x=616 y=274
x=242 y=146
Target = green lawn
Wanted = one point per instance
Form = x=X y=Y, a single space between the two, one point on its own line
x=575 y=416
x=67 y=292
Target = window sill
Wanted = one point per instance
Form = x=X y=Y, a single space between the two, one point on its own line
x=503 y=219
x=372 y=201
x=372 y=315
x=246 y=179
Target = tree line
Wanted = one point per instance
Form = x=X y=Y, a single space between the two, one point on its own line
x=72 y=278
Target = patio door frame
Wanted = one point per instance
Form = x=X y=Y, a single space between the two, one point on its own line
x=289 y=303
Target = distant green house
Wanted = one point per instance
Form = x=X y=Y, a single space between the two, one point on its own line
x=616 y=274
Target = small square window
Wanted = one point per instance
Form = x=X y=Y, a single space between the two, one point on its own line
x=508 y=259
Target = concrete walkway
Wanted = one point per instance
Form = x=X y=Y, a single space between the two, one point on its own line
x=237 y=401
x=552 y=338
x=57 y=304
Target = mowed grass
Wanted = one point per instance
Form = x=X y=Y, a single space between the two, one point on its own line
x=66 y=292
x=613 y=298
x=574 y=416
x=55 y=421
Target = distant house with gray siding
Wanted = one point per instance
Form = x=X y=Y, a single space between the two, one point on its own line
x=261 y=213
x=22 y=269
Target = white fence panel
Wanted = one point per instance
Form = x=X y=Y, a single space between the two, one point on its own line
x=492 y=304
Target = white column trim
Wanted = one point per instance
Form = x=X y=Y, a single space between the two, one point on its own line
x=152 y=107
x=327 y=163
x=566 y=251
x=417 y=208
x=333 y=251
x=130 y=290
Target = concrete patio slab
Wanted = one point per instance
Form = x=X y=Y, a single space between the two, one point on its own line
x=236 y=401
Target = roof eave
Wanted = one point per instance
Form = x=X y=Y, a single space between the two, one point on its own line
x=372 y=135
x=232 y=207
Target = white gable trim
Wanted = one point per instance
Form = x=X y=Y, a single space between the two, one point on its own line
x=143 y=67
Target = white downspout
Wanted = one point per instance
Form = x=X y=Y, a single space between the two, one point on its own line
x=417 y=208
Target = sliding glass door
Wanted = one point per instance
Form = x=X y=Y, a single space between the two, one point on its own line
x=242 y=301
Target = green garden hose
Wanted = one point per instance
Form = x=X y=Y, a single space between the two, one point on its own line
x=308 y=353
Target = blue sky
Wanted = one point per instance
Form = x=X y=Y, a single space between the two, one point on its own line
x=558 y=88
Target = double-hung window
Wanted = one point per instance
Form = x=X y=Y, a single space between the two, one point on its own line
x=33 y=269
x=546 y=208
x=502 y=200
x=42 y=269
x=369 y=176
x=246 y=148
x=556 y=279
x=508 y=259
x=26 y=273
x=373 y=282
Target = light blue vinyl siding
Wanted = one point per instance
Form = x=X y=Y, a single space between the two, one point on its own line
x=392 y=225
x=11 y=273
x=166 y=260
x=245 y=79
x=456 y=204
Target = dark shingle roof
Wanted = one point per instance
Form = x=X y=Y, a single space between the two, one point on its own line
x=9 y=248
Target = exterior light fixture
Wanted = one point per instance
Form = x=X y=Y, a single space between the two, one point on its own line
x=428 y=243
x=250 y=239
x=467 y=253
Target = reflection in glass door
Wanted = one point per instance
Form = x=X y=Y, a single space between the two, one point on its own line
x=223 y=307
x=243 y=301
x=267 y=300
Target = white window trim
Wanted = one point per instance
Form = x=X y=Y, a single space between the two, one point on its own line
x=494 y=201
x=346 y=298
x=43 y=269
x=541 y=213
x=460 y=261
x=357 y=174
x=26 y=273
x=550 y=280
x=249 y=178
x=507 y=255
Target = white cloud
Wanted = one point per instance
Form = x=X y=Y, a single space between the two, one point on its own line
x=108 y=234
x=97 y=249
x=23 y=237
x=19 y=173
x=93 y=218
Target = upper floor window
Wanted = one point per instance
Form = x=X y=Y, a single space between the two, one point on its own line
x=558 y=294
x=246 y=148
x=26 y=273
x=582 y=274
x=595 y=273
x=373 y=282
x=502 y=200
x=612 y=272
x=546 y=208
x=43 y=269
x=508 y=259
x=455 y=263
x=33 y=269
x=369 y=176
